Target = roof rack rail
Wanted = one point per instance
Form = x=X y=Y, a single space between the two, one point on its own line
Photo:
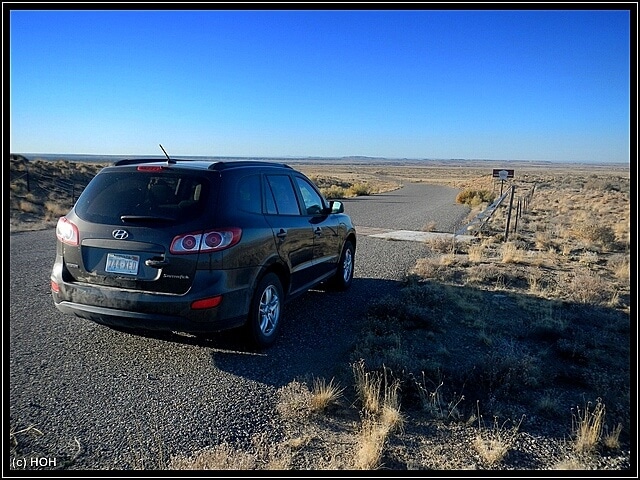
x=221 y=165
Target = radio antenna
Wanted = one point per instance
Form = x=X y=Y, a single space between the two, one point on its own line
x=166 y=155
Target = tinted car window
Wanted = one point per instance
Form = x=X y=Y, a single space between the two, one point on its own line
x=113 y=195
x=283 y=194
x=248 y=194
x=312 y=201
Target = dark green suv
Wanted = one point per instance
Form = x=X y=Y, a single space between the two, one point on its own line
x=199 y=247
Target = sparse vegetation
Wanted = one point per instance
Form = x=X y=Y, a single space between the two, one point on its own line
x=336 y=188
x=324 y=394
x=588 y=427
x=42 y=191
x=522 y=330
x=474 y=198
x=494 y=443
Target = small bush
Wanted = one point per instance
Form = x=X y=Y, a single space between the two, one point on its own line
x=593 y=233
x=54 y=209
x=359 y=189
x=28 y=207
x=586 y=287
x=333 y=192
x=473 y=198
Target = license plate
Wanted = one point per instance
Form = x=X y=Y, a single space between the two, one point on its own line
x=122 y=263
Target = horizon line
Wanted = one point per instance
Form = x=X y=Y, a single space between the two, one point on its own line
x=319 y=157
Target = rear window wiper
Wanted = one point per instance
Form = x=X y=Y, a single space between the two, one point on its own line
x=145 y=218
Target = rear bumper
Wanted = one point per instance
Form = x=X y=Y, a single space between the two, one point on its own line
x=160 y=311
x=149 y=321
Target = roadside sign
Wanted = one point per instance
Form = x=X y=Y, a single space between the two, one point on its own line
x=502 y=173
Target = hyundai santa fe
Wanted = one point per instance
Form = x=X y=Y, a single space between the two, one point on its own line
x=198 y=246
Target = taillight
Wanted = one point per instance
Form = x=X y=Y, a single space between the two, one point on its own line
x=205 y=303
x=67 y=232
x=150 y=168
x=209 y=241
x=55 y=287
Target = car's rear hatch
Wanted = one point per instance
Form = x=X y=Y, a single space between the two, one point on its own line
x=127 y=220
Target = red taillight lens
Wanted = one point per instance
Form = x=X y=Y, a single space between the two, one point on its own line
x=67 y=232
x=213 y=239
x=55 y=287
x=189 y=242
x=206 y=303
x=210 y=241
x=149 y=168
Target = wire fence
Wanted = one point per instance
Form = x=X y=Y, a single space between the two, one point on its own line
x=35 y=179
x=514 y=211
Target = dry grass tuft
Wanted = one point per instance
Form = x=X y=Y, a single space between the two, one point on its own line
x=474 y=198
x=370 y=445
x=368 y=387
x=593 y=233
x=219 y=457
x=587 y=427
x=324 y=394
x=380 y=416
x=390 y=416
x=27 y=206
x=586 y=287
x=612 y=439
x=429 y=227
x=569 y=464
x=13 y=434
x=428 y=267
x=620 y=265
x=55 y=209
x=511 y=253
x=264 y=455
x=434 y=403
x=493 y=444
x=476 y=252
x=441 y=244
x=294 y=401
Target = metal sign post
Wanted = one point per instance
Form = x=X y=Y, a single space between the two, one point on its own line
x=503 y=174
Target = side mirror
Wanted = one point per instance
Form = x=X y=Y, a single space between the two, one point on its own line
x=336 y=206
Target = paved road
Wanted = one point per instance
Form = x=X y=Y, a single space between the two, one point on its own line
x=410 y=208
x=104 y=399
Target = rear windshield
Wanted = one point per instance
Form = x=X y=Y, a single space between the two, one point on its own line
x=134 y=197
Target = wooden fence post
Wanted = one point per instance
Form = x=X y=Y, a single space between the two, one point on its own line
x=506 y=230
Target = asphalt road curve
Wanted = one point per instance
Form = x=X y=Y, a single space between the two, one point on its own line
x=84 y=396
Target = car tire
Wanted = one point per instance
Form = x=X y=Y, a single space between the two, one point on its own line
x=344 y=273
x=265 y=313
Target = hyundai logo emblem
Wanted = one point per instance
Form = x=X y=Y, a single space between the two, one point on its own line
x=120 y=234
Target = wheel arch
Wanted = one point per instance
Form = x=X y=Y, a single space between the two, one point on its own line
x=280 y=270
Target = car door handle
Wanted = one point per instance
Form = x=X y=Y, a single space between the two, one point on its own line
x=281 y=234
x=318 y=231
x=156 y=263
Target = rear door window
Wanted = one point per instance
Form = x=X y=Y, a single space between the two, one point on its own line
x=283 y=199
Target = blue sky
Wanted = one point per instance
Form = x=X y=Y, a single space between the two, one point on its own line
x=426 y=83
